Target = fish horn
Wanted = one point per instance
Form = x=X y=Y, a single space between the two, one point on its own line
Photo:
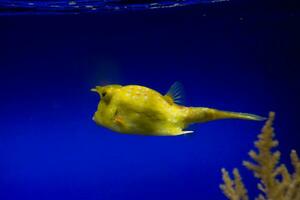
x=97 y=89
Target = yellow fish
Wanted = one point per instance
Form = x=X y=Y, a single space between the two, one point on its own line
x=135 y=109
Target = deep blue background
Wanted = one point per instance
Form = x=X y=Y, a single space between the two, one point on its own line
x=236 y=57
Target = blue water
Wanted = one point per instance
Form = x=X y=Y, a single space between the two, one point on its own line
x=232 y=56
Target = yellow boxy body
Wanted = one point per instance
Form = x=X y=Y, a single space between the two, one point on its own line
x=135 y=109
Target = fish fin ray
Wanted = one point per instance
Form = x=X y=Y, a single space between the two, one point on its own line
x=176 y=93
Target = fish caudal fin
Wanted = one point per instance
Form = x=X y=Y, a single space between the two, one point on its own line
x=248 y=116
x=199 y=114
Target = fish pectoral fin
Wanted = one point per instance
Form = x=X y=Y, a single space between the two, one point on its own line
x=119 y=120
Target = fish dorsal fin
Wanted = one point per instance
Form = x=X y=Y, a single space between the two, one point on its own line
x=175 y=94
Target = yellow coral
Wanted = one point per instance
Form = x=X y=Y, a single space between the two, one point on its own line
x=233 y=189
x=276 y=183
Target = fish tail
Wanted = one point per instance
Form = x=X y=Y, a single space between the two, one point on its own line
x=200 y=114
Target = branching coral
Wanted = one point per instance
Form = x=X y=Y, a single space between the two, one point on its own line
x=276 y=182
x=234 y=189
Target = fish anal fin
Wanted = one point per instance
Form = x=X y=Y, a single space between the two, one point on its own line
x=186 y=132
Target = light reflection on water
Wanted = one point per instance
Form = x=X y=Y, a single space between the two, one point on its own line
x=8 y=7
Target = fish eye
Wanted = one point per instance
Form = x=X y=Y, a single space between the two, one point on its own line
x=103 y=94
